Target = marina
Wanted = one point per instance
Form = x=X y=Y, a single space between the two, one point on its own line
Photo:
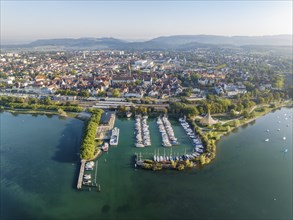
x=142 y=131
x=167 y=133
x=88 y=175
x=197 y=144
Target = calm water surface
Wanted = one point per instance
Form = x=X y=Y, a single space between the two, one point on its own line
x=250 y=178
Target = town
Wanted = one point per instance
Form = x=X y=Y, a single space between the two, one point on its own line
x=160 y=75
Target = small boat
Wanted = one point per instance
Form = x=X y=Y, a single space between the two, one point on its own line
x=284 y=138
x=105 y=147
x=87 y=176
x=139 y=145
x=268 y=130
x=278 y=129
x=128 y=114
x=286 y=150
x=267 y=140
x=86 y=182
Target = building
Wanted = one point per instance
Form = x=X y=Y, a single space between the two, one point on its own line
x=122 y=79
x=208 y=120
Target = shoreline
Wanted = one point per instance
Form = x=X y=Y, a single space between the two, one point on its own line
x=289 y=105
x=286 y=104
x=42 y=112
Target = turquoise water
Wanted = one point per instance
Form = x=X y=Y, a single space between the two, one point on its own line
x=250 y=178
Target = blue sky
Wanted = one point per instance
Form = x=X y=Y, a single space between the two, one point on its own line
x=25 y=21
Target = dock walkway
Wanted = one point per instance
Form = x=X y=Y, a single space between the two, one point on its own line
x=81 y=172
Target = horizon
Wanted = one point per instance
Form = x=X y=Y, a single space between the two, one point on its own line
x=27 y=21
x=140 y=40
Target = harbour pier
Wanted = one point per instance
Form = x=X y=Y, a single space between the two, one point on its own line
x=81 y=172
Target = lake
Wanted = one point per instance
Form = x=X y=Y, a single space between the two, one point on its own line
x=249 y=178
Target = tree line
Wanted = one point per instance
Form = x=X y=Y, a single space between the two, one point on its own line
x=88 y=145
x=217 y=104
x=37 y=104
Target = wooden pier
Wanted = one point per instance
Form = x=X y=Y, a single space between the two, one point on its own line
x=81 y=172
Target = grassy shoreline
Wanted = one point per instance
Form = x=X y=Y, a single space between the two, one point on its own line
x=260 y=114
x=41 y=112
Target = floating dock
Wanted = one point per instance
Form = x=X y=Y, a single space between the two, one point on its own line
x=81 y=172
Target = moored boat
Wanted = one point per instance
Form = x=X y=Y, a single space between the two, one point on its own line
x=105 y=147
x=115 y=136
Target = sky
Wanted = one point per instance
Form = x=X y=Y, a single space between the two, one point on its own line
x=26 y=21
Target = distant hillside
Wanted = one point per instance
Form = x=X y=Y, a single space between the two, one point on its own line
x=170 y=42
x=276 y=40
x=97 y=43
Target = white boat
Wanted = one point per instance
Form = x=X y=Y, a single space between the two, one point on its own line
x=267 y=140
x=278 y=129
x=128 y=114
x=115 y=136
x=86 y=182
x=87 y=176
x=286 y=150
x=139 y=145
x=268 y=130
x=284 y=138
x=89 y=165
x=167 y=144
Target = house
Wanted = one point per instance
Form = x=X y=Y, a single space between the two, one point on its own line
x=40 y=78
x=219 y=89
x=147 y=80
x=233 y=90
x=134 y=93
x=122 y=79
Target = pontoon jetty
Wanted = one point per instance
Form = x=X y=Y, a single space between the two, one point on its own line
x=197 y=144
x=142 y=131
x=166 y=130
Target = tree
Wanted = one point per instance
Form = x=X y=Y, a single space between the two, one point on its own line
x=84 y=93
x=278 y=81
x=245 y=114
x=47 y=100
x=116 y=93
x=202 y=159
x=62 y=112
x=165 y=111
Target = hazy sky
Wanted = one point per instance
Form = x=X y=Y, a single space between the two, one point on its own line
x=25 y=21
